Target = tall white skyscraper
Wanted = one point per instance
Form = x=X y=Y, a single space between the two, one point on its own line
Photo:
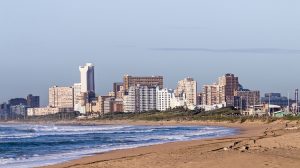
x=87 y=78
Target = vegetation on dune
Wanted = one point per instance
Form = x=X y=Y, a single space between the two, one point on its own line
x=180 y=114
x=228 y=114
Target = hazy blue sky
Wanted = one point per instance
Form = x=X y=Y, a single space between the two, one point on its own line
x=42 y=42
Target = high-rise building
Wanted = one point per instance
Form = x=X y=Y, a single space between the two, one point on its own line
x=222 y=92
x=109 y=105
x=87 y=78
x=118 y=105
x=275 y=99
x=187 y=86
x=199 y=98
x=211 y=95
x=101 y=100
x=163 y=99
x=17 y=101
x=229 y=84
x=61 y=97
x=130 y=100
x=150 y=81
x=77 y=93
x=118 y=89
x=4 y=111
x=33 y=101
x=140 y=99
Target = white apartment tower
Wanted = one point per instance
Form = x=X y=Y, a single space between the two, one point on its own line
x=163 y=99
x=187 y=87
x=140 y=99
x=87 y=78
x=130 y=100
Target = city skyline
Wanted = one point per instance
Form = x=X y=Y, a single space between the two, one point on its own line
x=199 y=87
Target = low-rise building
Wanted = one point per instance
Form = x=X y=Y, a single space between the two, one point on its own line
x=47 y=111
x=276 y=99
x=263 y=110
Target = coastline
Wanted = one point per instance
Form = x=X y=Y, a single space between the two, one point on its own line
x=268 y=144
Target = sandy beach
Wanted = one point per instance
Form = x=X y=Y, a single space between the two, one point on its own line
x=257 y=145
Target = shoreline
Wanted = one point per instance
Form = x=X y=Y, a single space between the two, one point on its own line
x=247 y=141
x=275 y=144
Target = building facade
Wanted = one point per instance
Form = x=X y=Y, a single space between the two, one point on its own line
x=163 y=99
x=140 y=99
x=211 y=95
x=118 y=89
x=222 y=92
x=87 y=78
x=18 y=110
x=108 y=105
x=47 y=111
x=61 y=97
x=33 y=101
x=77 y=93
x=17 y=101
x=187 y=86
x=150 y=81
x=275 y=99
x=246 y=98
x=229 y=85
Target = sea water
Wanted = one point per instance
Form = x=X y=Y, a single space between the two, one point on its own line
x=25 y=145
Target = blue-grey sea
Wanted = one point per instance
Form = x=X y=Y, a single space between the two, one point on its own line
x=25 y=145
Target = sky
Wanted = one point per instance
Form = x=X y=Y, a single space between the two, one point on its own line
x=42 y=43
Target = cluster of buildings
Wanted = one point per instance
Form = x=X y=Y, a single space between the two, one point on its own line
x=17 y=107
x=148 y=93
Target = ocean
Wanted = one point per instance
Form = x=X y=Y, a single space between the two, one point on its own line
x=25 y=145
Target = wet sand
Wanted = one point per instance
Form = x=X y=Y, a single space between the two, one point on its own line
x=259 y=145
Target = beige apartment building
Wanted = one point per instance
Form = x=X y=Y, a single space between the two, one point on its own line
x=61 y=97
x=211 y=95
x=229 y=85
x=150 y=81
x=221 y=92
x=187 y=86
